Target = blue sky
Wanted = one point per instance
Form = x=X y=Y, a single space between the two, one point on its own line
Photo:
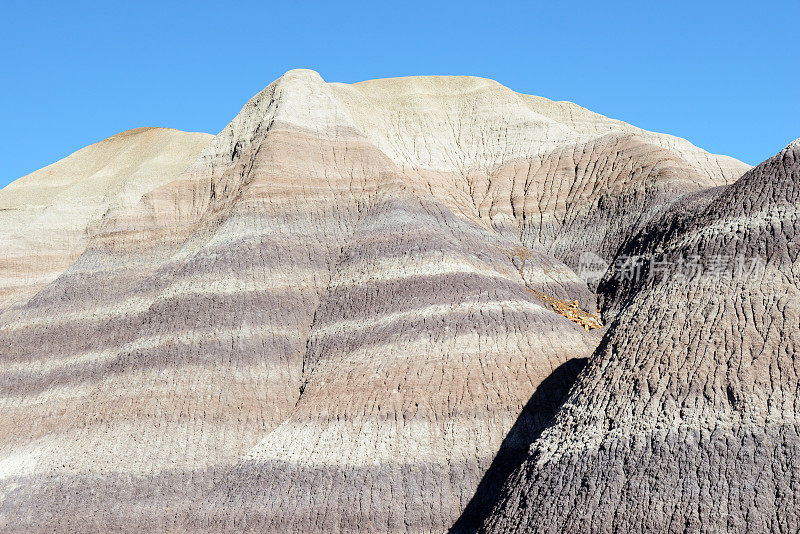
x=725 y=75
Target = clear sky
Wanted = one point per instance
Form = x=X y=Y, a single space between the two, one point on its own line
x=725 y=75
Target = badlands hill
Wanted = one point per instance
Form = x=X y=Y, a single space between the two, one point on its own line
x=358 y=307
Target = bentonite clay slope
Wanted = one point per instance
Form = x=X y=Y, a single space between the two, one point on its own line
x=46 y=217
x=320 y=325
x=686 y=417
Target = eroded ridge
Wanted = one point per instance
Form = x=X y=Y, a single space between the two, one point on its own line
x=686 y=417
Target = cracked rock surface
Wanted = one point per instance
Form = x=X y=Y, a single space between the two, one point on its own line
x=311 y=322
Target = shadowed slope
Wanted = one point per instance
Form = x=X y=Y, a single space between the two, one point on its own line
x=535 y=417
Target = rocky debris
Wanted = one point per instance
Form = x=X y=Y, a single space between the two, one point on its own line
x=571 y=310
x=314 y=327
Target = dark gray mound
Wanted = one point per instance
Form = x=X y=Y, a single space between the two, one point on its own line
x=686 y=417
